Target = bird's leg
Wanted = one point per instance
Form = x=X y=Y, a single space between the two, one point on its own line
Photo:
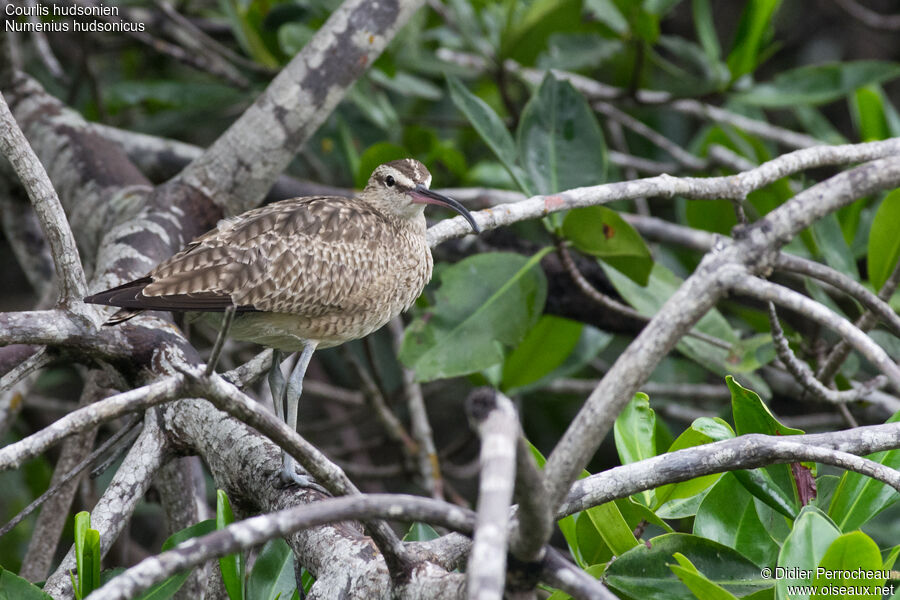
x=220 y=341
x=276 y=383
x=292 y=402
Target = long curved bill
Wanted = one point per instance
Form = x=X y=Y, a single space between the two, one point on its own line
x=422 y=195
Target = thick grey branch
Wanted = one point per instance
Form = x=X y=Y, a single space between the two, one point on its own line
x=664 y=186
x=744 y=452
x=242 y=164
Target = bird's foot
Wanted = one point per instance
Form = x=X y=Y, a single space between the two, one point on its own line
x=289 y=477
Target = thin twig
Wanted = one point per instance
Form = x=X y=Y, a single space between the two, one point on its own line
x=617 y=307
x=129 y=429
x=804 y=375
x=429 y=466
x=46 y=204
x=761 y=289
x=866 y=321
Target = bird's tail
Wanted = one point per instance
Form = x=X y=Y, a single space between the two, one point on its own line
x=122 y=315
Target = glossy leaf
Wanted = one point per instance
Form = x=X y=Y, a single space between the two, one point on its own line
x=634 y=430
x=247 y=33
x=272 y=575
x=818 y=84
x=852 y=553
x=531 y=26
x=490 y=127
x=697 y=582
x=834 y=247
x=648 y=299
x=867 y=107
x=231 y=565
x=884 y=243
x=169 y=587
x=704 y=430
x=612 y=527
x=728 y=515
x=485 y=303
x=773 y=484
x=601 y=232
x=545 y=347
x=591 y=342
x=859 y=498
x=559 y=140
x=706 y=29
x=751 y=36
x=13 y=587
x=643 y=572
x=87 y=555
x=420 y=532
x=588 y=546
x=803 y=550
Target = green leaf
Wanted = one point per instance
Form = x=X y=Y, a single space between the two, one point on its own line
x=803 y=549
x=728 y=515
x=87 y=555
x=587 y=546
x=773 y=484
x=375 y=105
x=634 y=430
x=375 y=155
x=852 y=553
x=89 y=578
x=869 y=115
x=859 y=498
x=606 y=12
x=232 y=565
x=643 y=572
x=818 y=84
x=706 y=29
x=884 y=243
x=545 y=347
x=560 y=142
x=489 y=127
x=529 y=29
x=704 y=430
x=830 y=239
x=13 y=587
x=601 y=232
x=246 y=33
x=170 y=586
x=612 y=527
x=648 y=299
x=697 y=582
x=484 y=303
x=420 y=532
x=272 y=575
x=752 y=30
x=82 y=524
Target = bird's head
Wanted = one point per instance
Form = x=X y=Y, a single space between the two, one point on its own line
x=400 y=188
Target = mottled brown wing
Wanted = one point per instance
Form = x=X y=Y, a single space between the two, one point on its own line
x=309 y=256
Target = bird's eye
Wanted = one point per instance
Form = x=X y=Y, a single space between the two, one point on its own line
x=389 y=181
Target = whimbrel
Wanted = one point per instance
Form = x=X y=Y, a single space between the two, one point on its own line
x=301 y=274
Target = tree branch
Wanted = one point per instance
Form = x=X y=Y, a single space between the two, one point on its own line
x=46 y=205
x=242 y=164
x=744 y=452
x=664 y=186
x=498 y=425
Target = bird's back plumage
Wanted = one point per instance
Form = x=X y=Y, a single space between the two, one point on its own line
x=337 y=267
